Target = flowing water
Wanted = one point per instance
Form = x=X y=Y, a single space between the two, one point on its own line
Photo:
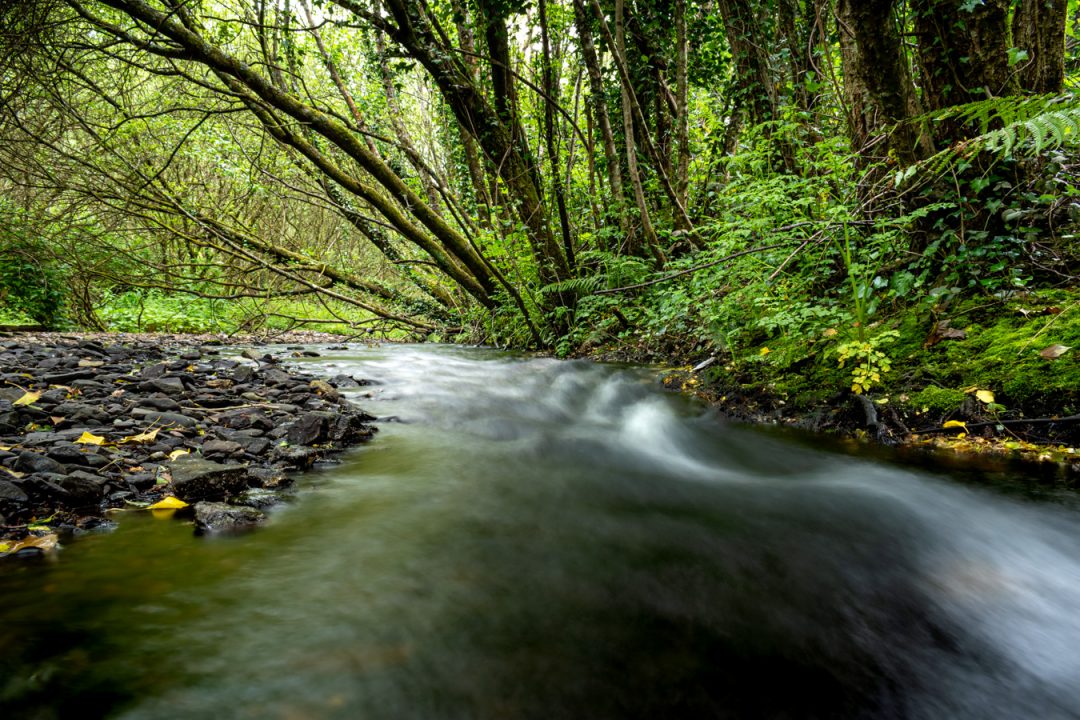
x=539 y=539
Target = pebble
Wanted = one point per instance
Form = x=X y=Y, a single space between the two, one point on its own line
x=134 y=421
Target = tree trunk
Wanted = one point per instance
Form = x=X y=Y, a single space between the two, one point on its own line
x=598 y=103
x=1039 y=28
x=877 y=84
x=652 y=243
x=963 y=51
x=551 y=98
x=682 y=112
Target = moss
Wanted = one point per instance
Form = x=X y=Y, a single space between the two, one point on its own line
x=937 y=399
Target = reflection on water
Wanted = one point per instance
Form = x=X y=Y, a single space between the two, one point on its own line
x=543 y=539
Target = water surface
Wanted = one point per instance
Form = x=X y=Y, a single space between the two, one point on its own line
x=539 y=539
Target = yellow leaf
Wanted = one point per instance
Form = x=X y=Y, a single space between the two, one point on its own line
x=178 y=453
x=168 y=503
x=13 y=472
x=28 y=398
x=142 y=438
x=89 y=438
x=5 y=448
x=955 y=423
x=5 y=547
x=765 y=351
x=985 y=395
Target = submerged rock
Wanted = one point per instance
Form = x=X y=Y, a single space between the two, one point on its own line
x=218 y=517
x=198 y=479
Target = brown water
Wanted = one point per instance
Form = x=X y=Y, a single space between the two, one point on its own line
x=543 y=539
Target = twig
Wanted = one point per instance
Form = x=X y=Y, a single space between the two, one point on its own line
x=672 y=276
x=1021 y=421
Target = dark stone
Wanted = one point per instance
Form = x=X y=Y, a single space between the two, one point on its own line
x=142 y=480
x=307 y=429
x=260 y=498
x=158 y=402
x=253 y=445
x=196 y=479
x=299 y=456
x=85 y=385
x=151 y=372
x=67 y=453
x=344 y=381
x=221 y=447
x=164 y=418
x=30 y=462
x=77 y=412
x=268 y=477
x=167 y=385
x=216 y=517
x=67 y=378
x=10 y=492
x=274 y=376
x=243 y=419
x=242 y=374
x=9 y=421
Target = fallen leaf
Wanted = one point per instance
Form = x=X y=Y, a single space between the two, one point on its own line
x=28 y=398
x=955 y=423
x=89 y=438
x=178 y=453
x=14 y=473
x=168 y=503
x=5 y=448
x=45 y=542
x=985 y=395
x=1053 y=352
x=765 y=351
x=56 y=419
x=144 y=438
x=87 y=363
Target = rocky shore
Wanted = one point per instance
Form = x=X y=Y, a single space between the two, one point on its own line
x=88 y=424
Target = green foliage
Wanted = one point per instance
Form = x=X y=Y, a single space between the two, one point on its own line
x=868 y=361
x=31 y=281
x=156 y=311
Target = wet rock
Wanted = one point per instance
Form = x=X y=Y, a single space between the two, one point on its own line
x=197 y=479
x=259 y=498
x=67 y=453
x=242 y=374
x=166 y=385
x=307 y=429
x=31 y=462
x=244 y=419
x=274 y=376
x=12 y=493
x=346 y=382
x=164 y=418
x=325 y=389
x=221 y=447
x=268 y=477
x=157 y=402
x=299 y=456
x=81 y=413
x=217 y=517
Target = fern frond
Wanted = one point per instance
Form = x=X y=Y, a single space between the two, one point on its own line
x=1020 y=125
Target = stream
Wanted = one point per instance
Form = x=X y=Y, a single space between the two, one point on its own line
x=532 y=538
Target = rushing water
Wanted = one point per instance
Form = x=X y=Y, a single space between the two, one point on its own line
x=539 y=539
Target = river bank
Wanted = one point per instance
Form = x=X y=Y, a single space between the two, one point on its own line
x=92 y=423
x=975 y=379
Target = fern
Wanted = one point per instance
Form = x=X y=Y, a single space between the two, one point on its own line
x=580 y=286
x=1008 y=125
